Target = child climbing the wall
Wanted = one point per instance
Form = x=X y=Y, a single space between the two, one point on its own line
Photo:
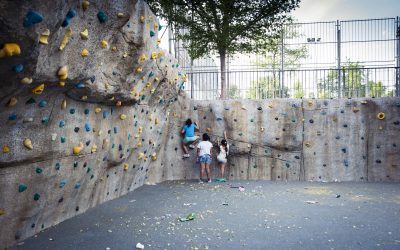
x=189 y=136
x=204 y=154
x=221 y=158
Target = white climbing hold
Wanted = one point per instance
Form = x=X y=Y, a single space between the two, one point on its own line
x=94 y=148
x=53 y=136
x=26 y=80
x=12 y=102
x=120 y=14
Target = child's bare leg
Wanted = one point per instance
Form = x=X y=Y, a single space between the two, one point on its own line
x=208 y=171
x=184 y=148
x=202 y=168
x=222 y=170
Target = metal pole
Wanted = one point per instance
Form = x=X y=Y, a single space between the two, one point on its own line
x=282 y=63
x=398 y=56
x=338 y=41
x=191 y=82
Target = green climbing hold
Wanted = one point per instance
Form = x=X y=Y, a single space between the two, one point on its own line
x=88 y=170
x=152 y=33
x=22 y=188
x=62 y=139
x=102 y=17
x=36 y=196
x=45 y=120
x=75 y=164
x=39 y=170
x=189 y=217
x=31 y=101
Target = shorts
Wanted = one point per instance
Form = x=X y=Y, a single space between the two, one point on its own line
x=190 y=139
x=205 y=159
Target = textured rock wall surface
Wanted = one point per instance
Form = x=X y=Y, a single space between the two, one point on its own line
x=90 y=132
x=289 y=139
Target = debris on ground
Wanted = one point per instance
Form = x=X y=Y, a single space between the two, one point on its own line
x=189 y=217
x=139 y=246
x=338 y=196
x=311 y=202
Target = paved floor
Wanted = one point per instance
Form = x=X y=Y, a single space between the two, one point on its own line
x=266 y=215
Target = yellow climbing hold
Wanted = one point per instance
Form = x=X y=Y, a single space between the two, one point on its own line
x=152 y=90
x=63 y=73
x=125 y=55
x=77 y=149
x=153 y=55
x=10 y=49
x=84 y=34
x=28 y=144
x=97 y=110
x=38 y=89
x=126 y=166
x=85 y=5
x=155 y=25
x=270 y=106
x=67 y=35
x=62 y=84
x=355 y=109
x=12 y=102
x=364 y=102
x=139 y=70
x=122 y=117
x=2 y=212
x=208 y=129
x=140 y=130
x=140 y=156
x=114 y=48
x=156 y=121
x=158 y=40
x=84 y=53
x=142 y=19
x=64 y=104
x=44 y=37
x=26 y=80
x=154 y=156
x=6 y=149
x=118 y=104
x=94 y=148
x=307 y=144
x=104 y=44
x=142 y=58
x=120 y=14
x=84 y=97
x=380 y=116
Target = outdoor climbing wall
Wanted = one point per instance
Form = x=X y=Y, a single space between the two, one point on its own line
x=85 y=94
x=286 y=139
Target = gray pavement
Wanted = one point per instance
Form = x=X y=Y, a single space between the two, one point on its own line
x=266 y=215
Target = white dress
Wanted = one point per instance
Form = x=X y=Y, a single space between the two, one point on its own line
x=222 y=154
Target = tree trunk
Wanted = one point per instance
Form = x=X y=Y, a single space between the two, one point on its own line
x=222 y=56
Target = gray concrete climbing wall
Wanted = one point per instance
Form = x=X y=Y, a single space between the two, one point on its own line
x=289 y=139
x=85 y=94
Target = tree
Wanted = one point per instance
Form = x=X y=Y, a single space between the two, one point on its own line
x=233 y=92
x=265 y=87
x=223 y=26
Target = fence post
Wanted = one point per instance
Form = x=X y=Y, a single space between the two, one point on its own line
x=338 y=41
x=398 y=56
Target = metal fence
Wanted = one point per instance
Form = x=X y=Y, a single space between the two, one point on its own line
x=352 y=58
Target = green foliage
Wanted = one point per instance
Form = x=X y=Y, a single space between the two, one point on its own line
x=234 y=92
x=266 y=87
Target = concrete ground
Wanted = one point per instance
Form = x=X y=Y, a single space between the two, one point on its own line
x=266 y=215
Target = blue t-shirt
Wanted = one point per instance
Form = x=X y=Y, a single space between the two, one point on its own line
x=189 y=130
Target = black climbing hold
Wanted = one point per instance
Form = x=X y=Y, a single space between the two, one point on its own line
x=345 y=125
x=84 y=164
x=378 y=161
x=87 y=111
x=344 y=150
x=311 y=121
x=378 y=146
x=60 y=200
x=76 y=129
x=36 y=196
x=30 y=101
x=259 y=108
x=204 y=117
x=342 y=111
x=276 y=118
x=33 y=225
x=362 y=138
x=396 y=123
x=283 y=129
x=72 y=111
x=57 y=166
x=394 y=145
x=87 y=143
x=77 y=208
x=75 y=164
x=39 y=170
x=297 y=157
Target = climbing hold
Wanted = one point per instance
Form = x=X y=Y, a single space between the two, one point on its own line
x=87 y=111
x=22 y=188
x=62 y=183
x=64 y=104
x=94 y=148
x=28 y=144
x=77 y=149
x=6 y=149
x=53 y=136
x=62 y=139
x=115 y=130
x=102 y=17
x=126 y=166
x=380 y=116
x=139 y=70
x=208 y=129
x=31 y=18
x=97 y=110
x=79 y=85
x=140 y=156
x=122 y=117
x=84 y=97
x=67 y=35
x=84 y=53
x=45 y=120
x=140 y=130
x=152 y=33
x=10 y=49
x=85 y=5
x=156 y=121
x=18 y=68
x=154 y=156
x=105 y=114
x=307 y=144
x=70 y=14
x=87 y=127
x=142 y=58
x=118 y=104
x=61 y=124
x=355 y=109
x=153 y=55
x=42 y=103
x=262 y=129
x=120 y=14
x=12 y=102
x=84 y=34
x=30 y=101
x=44 y=37
x=141 y=19
x=106 y=142
x=104 y=44
x=26 y=80
x=38 y=89
x=12 y=117
x=36 y=196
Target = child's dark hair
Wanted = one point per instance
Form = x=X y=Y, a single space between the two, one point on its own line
x=188 y=122
x=206 y=137
x=224 y=143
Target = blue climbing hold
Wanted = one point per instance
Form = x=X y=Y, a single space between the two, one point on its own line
x=115 y=130
x=79 y=85
x=18 y=68
x=61 y=124
x=72 y=111
x=42 y=103
x=105 y=114
x=151 y=74
x=129 y=136
x=87 y=127
x=31 y=18
x=12 y=117
x=57 y=166
x=62 y=183
x=87 y=111
x=71 y=13
x=112 y=110
x=65 y=23
x=102 y=17
x=77 y=185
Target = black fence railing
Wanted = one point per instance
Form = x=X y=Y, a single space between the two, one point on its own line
x=296 y=83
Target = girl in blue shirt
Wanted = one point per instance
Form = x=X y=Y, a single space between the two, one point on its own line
x=189 y=136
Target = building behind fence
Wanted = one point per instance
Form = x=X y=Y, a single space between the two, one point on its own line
x=353 y=58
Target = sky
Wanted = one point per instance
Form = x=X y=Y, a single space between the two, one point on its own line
x=331 y=10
